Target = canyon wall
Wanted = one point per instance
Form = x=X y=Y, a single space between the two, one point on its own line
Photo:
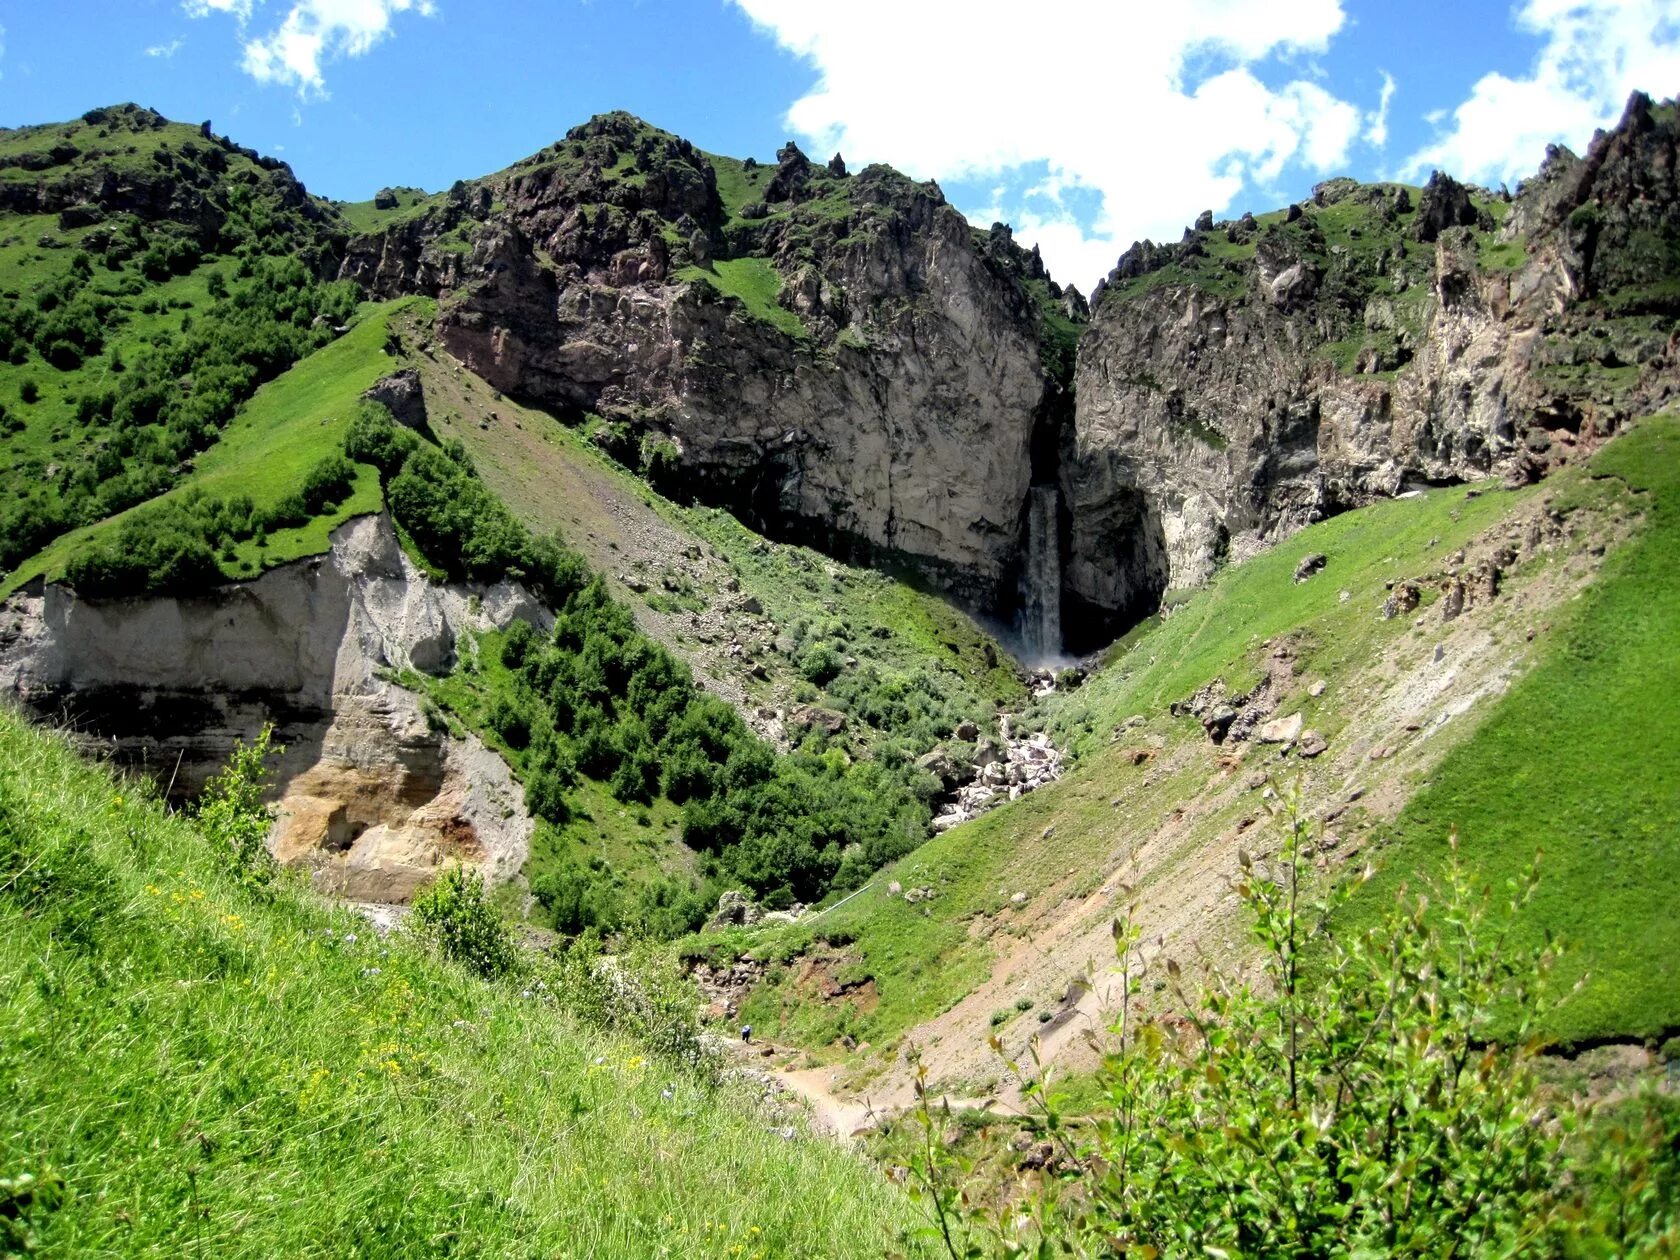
x=1263 y=374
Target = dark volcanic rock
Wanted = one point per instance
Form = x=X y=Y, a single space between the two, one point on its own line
x=1445 y=203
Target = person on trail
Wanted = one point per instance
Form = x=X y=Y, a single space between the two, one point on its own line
x=746 y=1033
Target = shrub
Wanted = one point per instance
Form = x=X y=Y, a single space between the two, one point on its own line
x=373 y=438
x=29 y=391
x=820 y=664
x=1360 y=1113
x=454 y=916
x=232 y=815
x=327 y=483
x=576 y=901
x=638 y=992
x=545 y=796
x=510 y=722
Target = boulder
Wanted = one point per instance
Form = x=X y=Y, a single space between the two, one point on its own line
x=1452 y=599
x=1312 y=744
x=1401 y=600
x=947 y=769
x=401 y=395
x=734 y=909
x=1310 y=565
x=1283 y=730
x=1218 y=721
x=810 y=716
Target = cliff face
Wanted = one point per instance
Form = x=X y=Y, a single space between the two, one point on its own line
x=1265 y=373
x=370 y=796
x=840 y=359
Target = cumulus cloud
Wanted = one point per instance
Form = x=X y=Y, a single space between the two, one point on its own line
x=313 y=33
x=1154 y=112
x=1593 y=54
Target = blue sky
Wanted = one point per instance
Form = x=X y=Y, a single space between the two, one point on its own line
x=1086 y=123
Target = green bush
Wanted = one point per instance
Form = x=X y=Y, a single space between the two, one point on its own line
x=639 y=991
x=373 y=438
x=598 y=697
x=1356 y=1109
x=576 y=901
x=149 y=427
x=820 y=664
x=232 y=815
x=453 y=915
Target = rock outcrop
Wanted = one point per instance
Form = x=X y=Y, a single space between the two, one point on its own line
x=883 y=408
x=1000 y=770
x=1266 y=373
x=370 y=795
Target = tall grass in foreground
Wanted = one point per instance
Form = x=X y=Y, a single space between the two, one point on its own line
x=194 y=1066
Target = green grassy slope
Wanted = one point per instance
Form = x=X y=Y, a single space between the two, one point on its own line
x=1216 y=632
x=150 y=278
x=287 y=427
x=1581 y=761
x=554 y=478
x=755 y=283
x=214 y=1075
x=363 y=217
x=923 y=962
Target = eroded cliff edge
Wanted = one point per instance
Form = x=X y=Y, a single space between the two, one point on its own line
x=371 y=797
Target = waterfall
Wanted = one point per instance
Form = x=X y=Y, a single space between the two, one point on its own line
x=1041 y=580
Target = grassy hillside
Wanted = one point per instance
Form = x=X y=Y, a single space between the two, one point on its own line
x=1578 y=759
x=155 y=276
x=1216 y=632
x=188 y=1070
x=287 y=428
x=1581 y=763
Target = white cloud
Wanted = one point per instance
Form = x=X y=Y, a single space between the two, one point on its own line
x=1154 y=113
x=165 y=51
x=1376 y=130
x=1595 y=52
x=240 y=9
x=2 y=46
x=313 y=33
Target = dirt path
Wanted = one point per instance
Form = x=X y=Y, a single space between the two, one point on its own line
x=840 y=1116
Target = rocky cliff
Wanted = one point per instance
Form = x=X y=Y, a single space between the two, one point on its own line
x=838 y=358
x=371 y=796
x=1266 y=372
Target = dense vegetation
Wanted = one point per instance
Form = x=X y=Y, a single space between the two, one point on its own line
x=193 y=1065
x=595 y=699
x=181 y=274
x=1575 y=760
